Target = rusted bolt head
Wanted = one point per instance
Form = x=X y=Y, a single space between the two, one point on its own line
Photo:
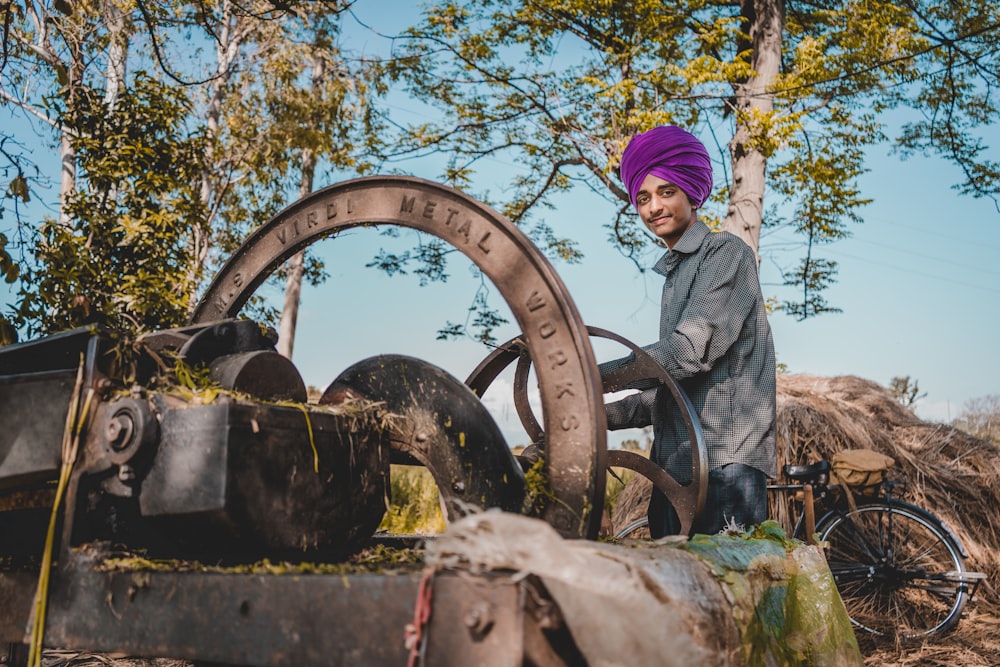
x=119 y=430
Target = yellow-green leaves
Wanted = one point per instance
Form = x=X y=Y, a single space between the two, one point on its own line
x=122 y=258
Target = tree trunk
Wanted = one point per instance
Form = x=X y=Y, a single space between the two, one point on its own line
x=765 y=20
x=230 y=34
x=67 y=172
x=296 y=268
x=118 y=42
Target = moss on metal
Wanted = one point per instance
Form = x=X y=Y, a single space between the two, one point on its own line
x=784 y=599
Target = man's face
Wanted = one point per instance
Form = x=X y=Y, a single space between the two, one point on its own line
x=665 y=209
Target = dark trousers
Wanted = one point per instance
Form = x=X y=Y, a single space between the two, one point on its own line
x=737 y=494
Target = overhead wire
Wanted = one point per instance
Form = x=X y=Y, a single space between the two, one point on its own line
x=982 y=287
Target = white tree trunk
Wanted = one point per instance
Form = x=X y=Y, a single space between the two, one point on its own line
x=118 y=42
x=296 y=268
x=753 y=100
x=67 y=171
x=230 y=35
x=293 y=283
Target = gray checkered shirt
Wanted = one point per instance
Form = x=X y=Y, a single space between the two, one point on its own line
x=716 y=343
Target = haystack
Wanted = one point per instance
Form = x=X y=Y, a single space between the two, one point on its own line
x=951 y=473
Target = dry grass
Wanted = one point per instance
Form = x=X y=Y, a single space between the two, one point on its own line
x=950 y=473
x=975 y=643
x=61 y=658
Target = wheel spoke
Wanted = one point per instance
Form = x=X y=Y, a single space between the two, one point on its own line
x=897 y=571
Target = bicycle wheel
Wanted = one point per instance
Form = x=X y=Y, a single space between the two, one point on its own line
x=898 y=571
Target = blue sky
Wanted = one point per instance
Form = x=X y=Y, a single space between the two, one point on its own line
x=919 y=286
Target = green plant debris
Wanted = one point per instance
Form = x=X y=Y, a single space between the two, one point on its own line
x=537 y=492
x=738 y=552
x=378 y=559
x=312 y=439
x=785 y=601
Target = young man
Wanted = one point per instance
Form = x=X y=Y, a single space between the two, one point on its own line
x=714 y=340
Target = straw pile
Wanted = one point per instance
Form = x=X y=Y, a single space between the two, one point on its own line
x=947 y=471
x=954 y=475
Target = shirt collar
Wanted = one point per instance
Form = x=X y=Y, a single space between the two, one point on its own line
x=689 y=243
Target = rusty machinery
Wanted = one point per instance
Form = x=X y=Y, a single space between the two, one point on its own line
x=258 y=472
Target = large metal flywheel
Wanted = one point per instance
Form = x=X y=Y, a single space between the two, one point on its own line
x=556 y=337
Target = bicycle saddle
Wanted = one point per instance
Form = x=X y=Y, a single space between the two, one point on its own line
x=807 y=473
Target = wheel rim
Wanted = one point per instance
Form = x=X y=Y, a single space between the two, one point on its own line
x=688 y=500
x=901 y=584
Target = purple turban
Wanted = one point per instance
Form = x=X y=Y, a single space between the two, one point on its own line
x=672 y=154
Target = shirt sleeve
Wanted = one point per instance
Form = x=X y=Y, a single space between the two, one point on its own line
x=722 y=296
x=633 y=411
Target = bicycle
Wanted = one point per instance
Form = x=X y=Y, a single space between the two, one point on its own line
x=900 y=570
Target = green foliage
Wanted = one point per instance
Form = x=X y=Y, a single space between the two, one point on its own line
x=559 y=86
x=481 y=322
x=812 y=276
x=429 y=256
x=243 y=115
x=297 y=98
x=121 y=260
x=8 y=267
x=554 y=87
x=414 y=507
x=295 y=106
x=957 y=92
x=14 y=165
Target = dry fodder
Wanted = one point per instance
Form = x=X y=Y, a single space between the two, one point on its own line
x=631 y=503
x=63 y=658
x=950 y=473
x=975 y=643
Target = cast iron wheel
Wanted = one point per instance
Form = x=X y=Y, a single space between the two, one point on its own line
x=688 y=500
x=550 y=323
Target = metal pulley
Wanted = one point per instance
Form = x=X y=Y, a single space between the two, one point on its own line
x=439 y=423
